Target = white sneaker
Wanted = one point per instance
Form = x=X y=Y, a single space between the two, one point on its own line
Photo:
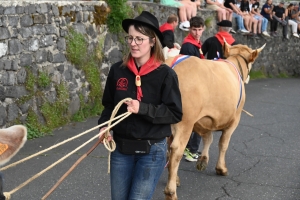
x=232 y=31
x=244 y=31
x=265 y=33
x=296 y=35
x=184 y=26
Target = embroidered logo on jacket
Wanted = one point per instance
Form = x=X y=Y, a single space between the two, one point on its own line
x=122 y=84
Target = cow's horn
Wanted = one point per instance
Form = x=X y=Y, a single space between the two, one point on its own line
x=261 y=48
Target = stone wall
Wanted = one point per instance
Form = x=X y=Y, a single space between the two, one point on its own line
x=33 y=39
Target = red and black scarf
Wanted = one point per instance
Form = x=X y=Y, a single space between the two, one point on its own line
x=190 y=39
x=148 y=67
x=224 y=35
x=166 y=27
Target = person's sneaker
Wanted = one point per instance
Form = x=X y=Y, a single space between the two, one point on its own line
x=186 y=152
x=244 y=31
x=192 y=157
x=276 y=34
x=232 y=31
x=184 y=26
x=265 y=33
x=296 y=35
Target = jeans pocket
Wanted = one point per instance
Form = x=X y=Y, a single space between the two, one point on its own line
x=159 y=150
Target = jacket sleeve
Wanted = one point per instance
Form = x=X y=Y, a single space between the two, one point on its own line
x=187 y=49
x=108 y=98
x=170 y=110
x=204 y=47
x=169 y=39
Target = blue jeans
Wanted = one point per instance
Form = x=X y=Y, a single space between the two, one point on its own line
x=264 y=22
x=134 y=177
x=239 y=21
x=194 y=142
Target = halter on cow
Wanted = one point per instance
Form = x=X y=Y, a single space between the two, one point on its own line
x=213 y=96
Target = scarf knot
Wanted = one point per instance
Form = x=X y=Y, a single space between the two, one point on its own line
x=148 y=67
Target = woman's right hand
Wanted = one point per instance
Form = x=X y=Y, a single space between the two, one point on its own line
x=101 y=137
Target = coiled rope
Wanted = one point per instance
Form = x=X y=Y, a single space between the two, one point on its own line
x=110 y=146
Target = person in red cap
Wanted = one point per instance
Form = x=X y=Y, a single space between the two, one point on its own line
x=141 y=147
x=213 y=46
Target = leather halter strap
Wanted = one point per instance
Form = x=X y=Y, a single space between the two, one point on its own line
x=240 y=67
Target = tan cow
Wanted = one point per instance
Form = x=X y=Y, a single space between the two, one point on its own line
x=213 y=96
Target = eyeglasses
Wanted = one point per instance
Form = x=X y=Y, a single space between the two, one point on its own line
x=137 y=40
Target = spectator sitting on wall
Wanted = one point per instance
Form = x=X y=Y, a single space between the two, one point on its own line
x=267 y=12
x=249 y=21
x=254 y=7
x=288 y=18
x=187 y=10
x=237 y=14
x=295 y=15
x=279 y=16
x=213 y=46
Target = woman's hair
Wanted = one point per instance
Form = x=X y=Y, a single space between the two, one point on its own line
x=156 y=50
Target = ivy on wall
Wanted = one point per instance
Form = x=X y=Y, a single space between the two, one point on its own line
x=119 y=10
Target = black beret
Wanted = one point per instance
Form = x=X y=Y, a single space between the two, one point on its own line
x=225 y=23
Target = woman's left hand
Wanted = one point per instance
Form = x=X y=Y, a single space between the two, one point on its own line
x=133 y=106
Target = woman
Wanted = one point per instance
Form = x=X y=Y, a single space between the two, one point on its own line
x=140 y=155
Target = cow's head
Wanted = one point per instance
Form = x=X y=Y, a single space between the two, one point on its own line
x=244 y=52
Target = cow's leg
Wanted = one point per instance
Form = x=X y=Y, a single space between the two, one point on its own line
x=202 y=162
x=181 y=136
x=221 y=168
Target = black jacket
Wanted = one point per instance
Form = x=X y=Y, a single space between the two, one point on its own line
x=189 y=49
x=160 y=105
x=169 y=38
x=210 y=48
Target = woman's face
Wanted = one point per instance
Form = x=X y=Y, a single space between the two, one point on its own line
x=140 y=47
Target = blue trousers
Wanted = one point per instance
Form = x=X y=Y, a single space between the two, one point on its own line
x=134 y=177
x=239 y=21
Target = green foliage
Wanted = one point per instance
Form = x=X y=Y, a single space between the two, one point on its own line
x=43 y=80
x=282 y=75
x=119 y=11
x=208 y=22
x=30 y=80
x=76 y=47
x=34 y=128
x=257 y=75
x=56 y=114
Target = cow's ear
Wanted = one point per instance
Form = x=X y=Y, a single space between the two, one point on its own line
x=255 y=53
x=253 y=56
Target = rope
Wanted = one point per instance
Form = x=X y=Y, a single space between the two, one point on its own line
x=109 y=145
x=248 y=113
x=59 y=144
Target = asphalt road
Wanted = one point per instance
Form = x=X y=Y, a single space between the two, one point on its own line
x=263 y=157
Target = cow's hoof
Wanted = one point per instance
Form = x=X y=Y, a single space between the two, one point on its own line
x=221 y=172
x=177 y=181
x=201 y=165
x=170 y=195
